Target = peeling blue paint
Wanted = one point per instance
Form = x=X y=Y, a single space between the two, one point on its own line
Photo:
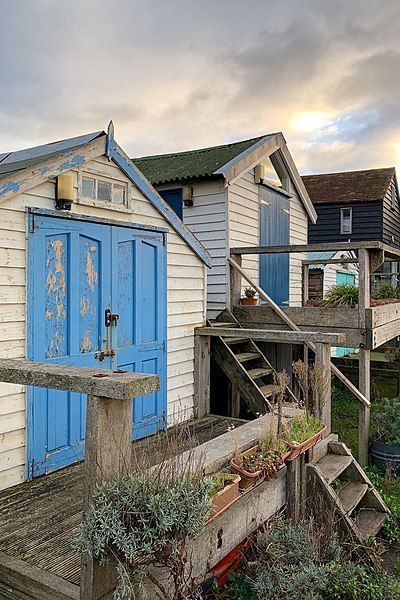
x=10 y=186
x=44 y=170
x=70 y=164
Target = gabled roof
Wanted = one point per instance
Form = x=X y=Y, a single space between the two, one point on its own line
x=192 y=164
x=24 y=169
x=229 y=161
x=349 y=186
x=12 y=162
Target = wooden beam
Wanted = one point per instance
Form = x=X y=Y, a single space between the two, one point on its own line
x=390 y=252
x=273 y=335
x=324 y=391
x=305 y=283
x=364 y=374
x=119 y=385
x=202 y=350
x=330 y=261
x=294 y=327
x=107 y=457
x=293 y=490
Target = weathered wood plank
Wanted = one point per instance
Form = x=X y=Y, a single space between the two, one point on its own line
x=324 y=391
x=235 y=282
x=265 y=335
x=39 y=584
x=202 y=350
x=121 y=385
x=307 y=316
x=390 y=251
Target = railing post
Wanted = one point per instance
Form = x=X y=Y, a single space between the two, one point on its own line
x=305 y=283
x=364 y=357
x=107 y=456
x=324 y=384
x=235 y=282
x=202 y=350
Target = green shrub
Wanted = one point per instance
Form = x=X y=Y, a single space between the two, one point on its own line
x=388 y=421
x=389 y=488
x=342 y=295
x=144 y=520
x=386 y=290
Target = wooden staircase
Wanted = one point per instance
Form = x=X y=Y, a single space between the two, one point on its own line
x=246 y=367
x=345 y=489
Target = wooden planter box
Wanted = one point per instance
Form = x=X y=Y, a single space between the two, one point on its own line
x=297 y=449
x=225 y=498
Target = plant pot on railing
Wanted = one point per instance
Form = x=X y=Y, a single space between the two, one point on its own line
x=249 y=297
x=304 y=432
x=255 y=466
x=226 y=495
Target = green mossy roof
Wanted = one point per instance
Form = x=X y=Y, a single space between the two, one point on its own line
x=191 y=164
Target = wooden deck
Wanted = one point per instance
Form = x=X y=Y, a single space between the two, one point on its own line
x=38 y=519
x=382 y=323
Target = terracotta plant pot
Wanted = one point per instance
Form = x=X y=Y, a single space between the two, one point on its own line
x=248 y=479
x=225 y=498
x=297 y=449
x=249 y=301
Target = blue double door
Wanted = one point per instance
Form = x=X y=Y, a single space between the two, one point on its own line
x=97 y=298
x=274 y=231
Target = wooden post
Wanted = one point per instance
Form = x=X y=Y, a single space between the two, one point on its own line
x=305 y=283
x=107 y=456
x=293 y=490
x=235 y=282
x=202 y=350
x=234 y=404
x=324 y=388
x=364 y=357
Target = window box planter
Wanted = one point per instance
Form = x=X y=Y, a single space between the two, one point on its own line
x=296 y=449
x=385 y=455
x=250 y=477
x=224 y=498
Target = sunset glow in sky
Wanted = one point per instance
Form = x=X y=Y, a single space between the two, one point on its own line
x=181 y=74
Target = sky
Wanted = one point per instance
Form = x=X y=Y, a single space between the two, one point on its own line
x=183 y=74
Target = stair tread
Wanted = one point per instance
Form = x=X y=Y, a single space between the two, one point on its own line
x=260 y=372
x=351 y=493
x=222 y=324
x=369 y=522
x=230 y=341
x=269 y=390
x=332 y=465
x=244 y=356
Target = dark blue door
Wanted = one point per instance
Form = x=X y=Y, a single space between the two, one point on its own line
x=76 y=272
x=274 y=231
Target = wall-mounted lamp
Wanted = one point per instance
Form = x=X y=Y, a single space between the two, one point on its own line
x=187 y=195
x=64 y=192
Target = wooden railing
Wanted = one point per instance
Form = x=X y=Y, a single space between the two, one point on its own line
x=370 y=256
x=108 y=446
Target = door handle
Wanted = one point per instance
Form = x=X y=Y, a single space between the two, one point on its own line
x=110 y=318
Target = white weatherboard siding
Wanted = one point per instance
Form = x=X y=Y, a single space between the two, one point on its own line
x=244 y=220
x=298 y=235
x=185 y=294
x=207 y=220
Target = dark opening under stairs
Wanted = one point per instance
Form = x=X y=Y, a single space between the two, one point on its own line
x=245 y=366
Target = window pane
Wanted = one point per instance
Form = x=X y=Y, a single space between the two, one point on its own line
x=345 y=226
x=104 y=191
x=88 y=187
x=119 y=194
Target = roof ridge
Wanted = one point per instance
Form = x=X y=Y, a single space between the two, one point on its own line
x=206 y=149
x=347 y=172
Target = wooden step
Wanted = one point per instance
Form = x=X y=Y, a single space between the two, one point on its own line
x=369 y=522
x=232 y=341
x=222 y=324
x=246 y=356
x=259 y=372
x=332 y=465
x=350 y=494
x=269 y=390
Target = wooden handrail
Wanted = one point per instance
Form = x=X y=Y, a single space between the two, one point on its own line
x=273 y=335
x=295 y=327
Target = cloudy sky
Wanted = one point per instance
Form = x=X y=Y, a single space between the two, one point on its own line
x=180 y=74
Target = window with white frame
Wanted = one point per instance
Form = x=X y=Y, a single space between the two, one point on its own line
x=103 y=189
x=346 y=218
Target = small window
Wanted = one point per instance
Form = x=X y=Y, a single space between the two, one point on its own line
x=346 y=216
x=88 y=187
x=104 y=191
x=393 y=197
x=118 y=194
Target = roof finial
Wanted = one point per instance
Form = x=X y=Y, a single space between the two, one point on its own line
x=110 y=145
